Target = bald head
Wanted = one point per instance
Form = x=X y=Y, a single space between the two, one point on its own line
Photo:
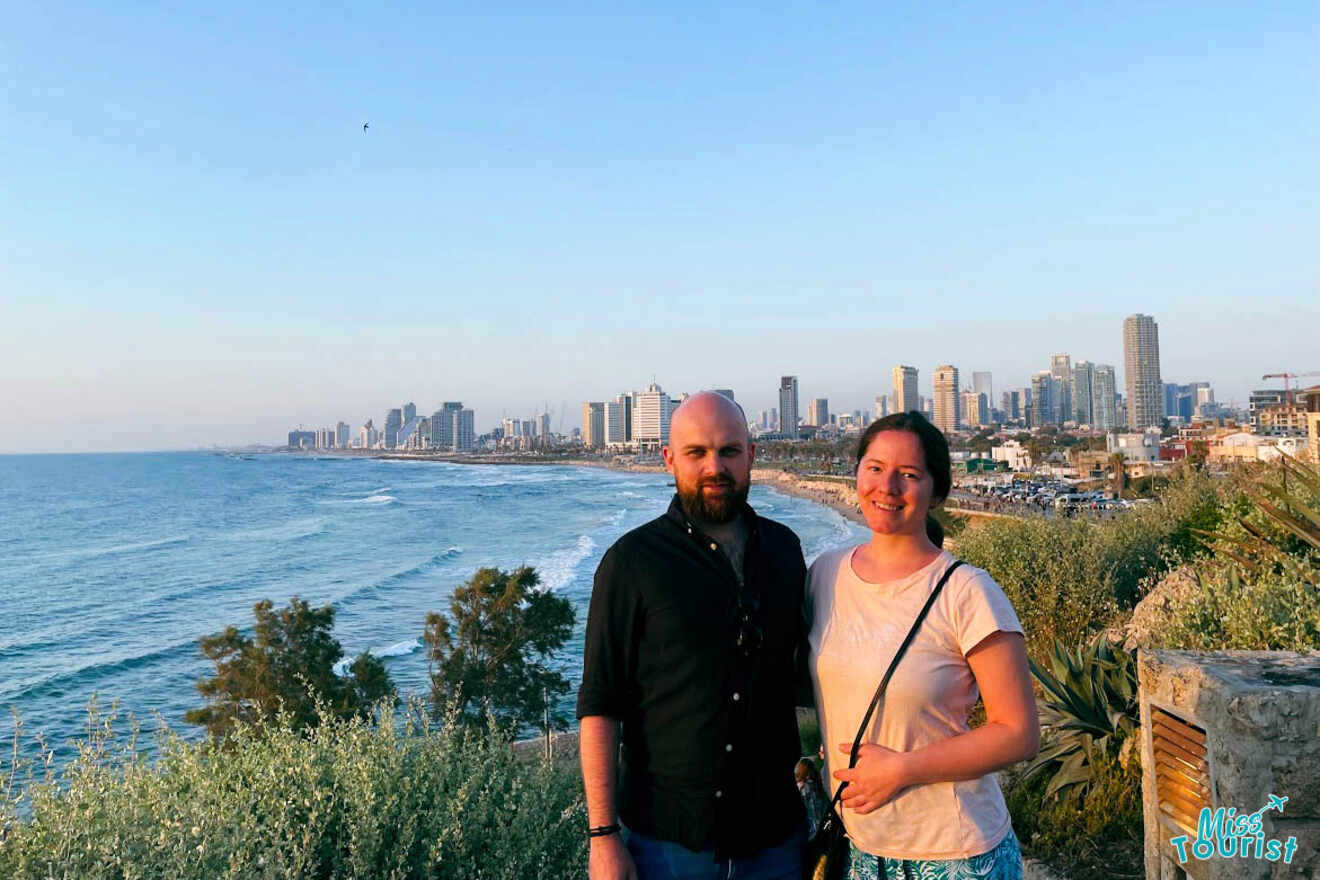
x=710 y=455
x=705 y=411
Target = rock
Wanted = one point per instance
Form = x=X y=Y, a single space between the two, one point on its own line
x=1036 y=870
x=1148 y=617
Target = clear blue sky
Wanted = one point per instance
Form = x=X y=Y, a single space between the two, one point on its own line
x=199 y=243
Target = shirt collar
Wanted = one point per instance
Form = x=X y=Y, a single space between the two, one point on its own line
x=676 y=514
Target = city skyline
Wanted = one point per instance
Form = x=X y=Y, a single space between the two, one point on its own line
x=202 y=244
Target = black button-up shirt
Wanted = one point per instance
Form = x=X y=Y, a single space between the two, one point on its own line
x=706 y=699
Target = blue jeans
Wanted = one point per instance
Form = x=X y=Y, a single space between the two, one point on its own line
x=662 y=860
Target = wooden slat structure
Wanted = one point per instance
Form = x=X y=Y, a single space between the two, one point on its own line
x=1182 y=770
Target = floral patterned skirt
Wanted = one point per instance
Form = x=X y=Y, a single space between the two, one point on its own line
x=1004 y=862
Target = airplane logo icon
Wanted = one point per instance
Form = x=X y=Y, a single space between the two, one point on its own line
x=1276 y=803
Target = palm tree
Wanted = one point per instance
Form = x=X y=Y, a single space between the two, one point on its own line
x=1118 y=464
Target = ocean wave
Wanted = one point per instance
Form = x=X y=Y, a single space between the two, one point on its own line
x=144 y=546
x=370 y=499
x=558 y=569
x=398 y=649
x=402 y=575
x=91 y=671
x=294 y=530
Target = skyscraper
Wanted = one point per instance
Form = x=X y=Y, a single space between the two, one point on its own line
x=651 y=417
x=905 y=389
x=1104 y=411
x=975 y=409
x=409 y=412
x=819 y=412
x=881 y=406
x=442 y=424
x=1061 y=370
x=1141 y=372
x=788 y=406
x=947 y=416
x=465 y=433
x=983 y=383
x=393 y=422
x=618 y=420
x=1083 y=377
x=1042 y=399
x=593 y=425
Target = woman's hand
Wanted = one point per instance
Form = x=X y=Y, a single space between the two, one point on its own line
x=879 y=776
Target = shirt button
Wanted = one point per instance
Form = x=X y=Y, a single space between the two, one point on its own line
x=719 y=794
x=714 y=546
x=728 y=747
x=737 y=697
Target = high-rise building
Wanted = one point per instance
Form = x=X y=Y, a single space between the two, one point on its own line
x=1083 y=377
x=1061 y=370
x=881 y=406
x=651 y=417
x=1008 y=405
x=1204 y=403
x=818 y=413
x=442 y=424
x=1104 y=409
x=393 y=422
x=1141 y=372
x=618 y=420
x=1042 y=399
x=341 y=435
x=983 y=383
x=1259 y=400
x=975 y=409
x=788 y=406
x=465 y=432
x=905 y=389
x=947 y=406
x=543 y=426
x=409 y=412
x=593 y=425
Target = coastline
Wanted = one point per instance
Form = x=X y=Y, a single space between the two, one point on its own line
x=836 y=494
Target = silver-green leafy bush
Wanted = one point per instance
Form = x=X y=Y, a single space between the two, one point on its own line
x=1260 y=588
x=351 y=798
x=1088 y=711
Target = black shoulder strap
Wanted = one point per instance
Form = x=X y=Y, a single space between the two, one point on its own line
x=893 y=664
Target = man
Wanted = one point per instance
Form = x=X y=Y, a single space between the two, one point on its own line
x=691 y=635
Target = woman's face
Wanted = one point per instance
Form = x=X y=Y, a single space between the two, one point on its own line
x=893 y=486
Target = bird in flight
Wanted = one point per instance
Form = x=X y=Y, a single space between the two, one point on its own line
x=364 y=126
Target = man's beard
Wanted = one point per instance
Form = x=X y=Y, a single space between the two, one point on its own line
x=718 y=509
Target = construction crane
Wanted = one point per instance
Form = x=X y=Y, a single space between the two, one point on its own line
x=1287 y=391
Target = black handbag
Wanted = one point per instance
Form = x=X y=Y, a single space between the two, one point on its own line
x=827 y=853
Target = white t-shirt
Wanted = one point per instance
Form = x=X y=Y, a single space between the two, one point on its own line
x=855 y=629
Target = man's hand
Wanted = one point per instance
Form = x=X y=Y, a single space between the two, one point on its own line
x=879 y=776
x=610 y=859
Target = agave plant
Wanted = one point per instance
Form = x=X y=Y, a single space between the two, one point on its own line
x=1090 y=708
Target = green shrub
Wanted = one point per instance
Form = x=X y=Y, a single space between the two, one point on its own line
x=348 y=798
x=1054 y=573
x=1272 y=612
x=491 y=655
x=1068 y=578
x=1095 y=837
x=286 y=665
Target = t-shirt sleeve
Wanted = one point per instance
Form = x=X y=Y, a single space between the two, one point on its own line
x=608 y=658
x=980 y=609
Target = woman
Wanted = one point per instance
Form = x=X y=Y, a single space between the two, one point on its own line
x=922 y=801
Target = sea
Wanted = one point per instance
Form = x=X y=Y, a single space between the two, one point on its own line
x=112 y=567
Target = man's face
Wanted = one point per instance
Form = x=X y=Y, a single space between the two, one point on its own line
x=710 y=456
